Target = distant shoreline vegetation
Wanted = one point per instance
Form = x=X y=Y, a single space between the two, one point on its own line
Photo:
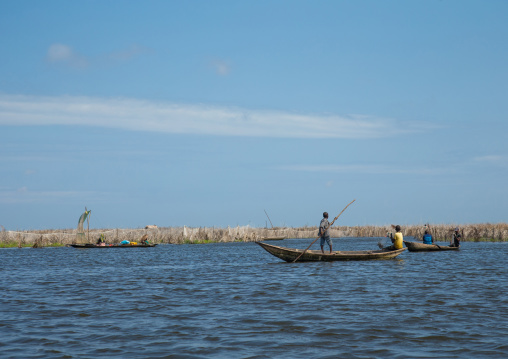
x=191 y=235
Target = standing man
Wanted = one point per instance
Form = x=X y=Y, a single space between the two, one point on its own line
x=456 y=238
x=324 y=233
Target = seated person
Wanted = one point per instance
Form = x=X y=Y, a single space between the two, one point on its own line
x=427 y=238
x=397 y=239
x=100 y=241
x=144 y=240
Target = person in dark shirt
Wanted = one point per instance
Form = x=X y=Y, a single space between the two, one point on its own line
x=101 y=242
x=456 y=238
x=324 y=233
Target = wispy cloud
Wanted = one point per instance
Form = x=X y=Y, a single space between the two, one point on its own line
x=499 y=160
x=221 y=67
x=24 y=195
x=372 y=169
x=65 y=55
x=60 y=54
x=140 y=115
x=128 y=53
x=16 y=157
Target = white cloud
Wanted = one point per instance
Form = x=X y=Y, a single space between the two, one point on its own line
x=128 y=53
x=221 y=67
x=490 y=158
x=63 y=54
x=364 y=169
x=497 y=160
x=22 y=190
x=142 y=115
x=59 y=52
x=24 y=195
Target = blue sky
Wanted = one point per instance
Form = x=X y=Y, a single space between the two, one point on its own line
x=208 y=113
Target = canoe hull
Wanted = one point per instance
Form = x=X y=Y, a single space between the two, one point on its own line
x=421 y=247
x=290 y=254
x=273 y=238
x=115 y=246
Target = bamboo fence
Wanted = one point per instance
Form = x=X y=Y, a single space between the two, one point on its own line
x=180 y=235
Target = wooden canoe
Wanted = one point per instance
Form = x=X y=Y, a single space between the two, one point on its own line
x=112 y=246
x=273 y=238
x=290 y=254
x=421 y=247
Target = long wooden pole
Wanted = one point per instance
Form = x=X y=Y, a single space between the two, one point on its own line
x=88 y=226
x=297 y=258
x=268 y=218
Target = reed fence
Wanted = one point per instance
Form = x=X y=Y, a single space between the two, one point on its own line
x=180 y=235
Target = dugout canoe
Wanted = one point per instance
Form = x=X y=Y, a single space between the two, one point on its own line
x=290 y=254
x=421 y=247
x=273 y=238
x=112 y=246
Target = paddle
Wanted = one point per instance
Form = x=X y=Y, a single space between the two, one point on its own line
x=323 y=232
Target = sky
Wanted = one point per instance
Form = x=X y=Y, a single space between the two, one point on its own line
x=209 y=113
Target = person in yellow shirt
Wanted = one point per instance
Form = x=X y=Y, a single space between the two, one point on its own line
x=397 y=239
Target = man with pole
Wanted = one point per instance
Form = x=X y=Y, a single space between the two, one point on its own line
x=331 y=224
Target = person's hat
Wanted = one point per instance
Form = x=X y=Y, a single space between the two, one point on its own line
x=456 y=229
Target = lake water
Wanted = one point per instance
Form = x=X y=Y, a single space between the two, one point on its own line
x=235 y=300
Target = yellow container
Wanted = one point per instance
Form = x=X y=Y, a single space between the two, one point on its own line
x=133 y=243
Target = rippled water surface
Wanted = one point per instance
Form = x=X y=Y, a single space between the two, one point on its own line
x=235 y=300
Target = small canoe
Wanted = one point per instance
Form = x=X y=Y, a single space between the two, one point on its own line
x=273 y=238
x=421 y=247
x=290 y=254
x=112 y=246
